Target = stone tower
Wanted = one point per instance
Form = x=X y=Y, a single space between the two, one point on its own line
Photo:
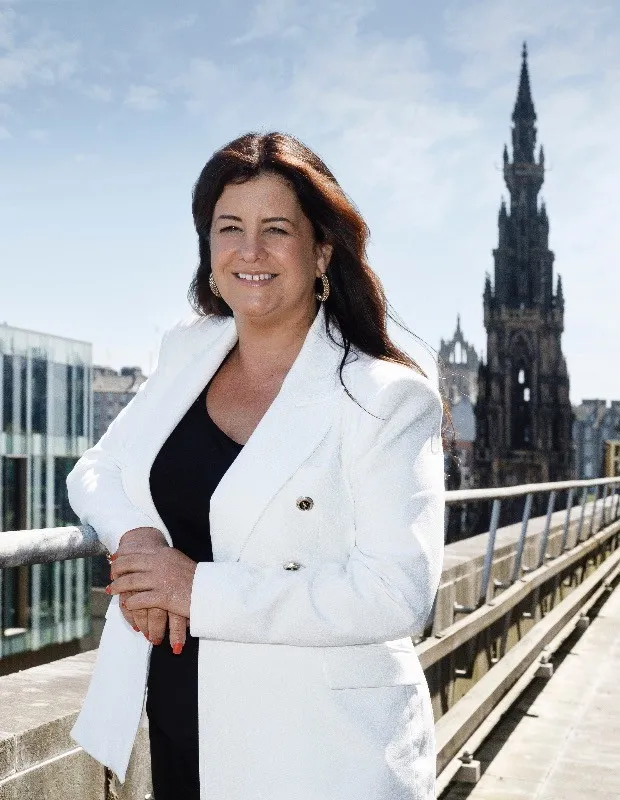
x=458 y=366
x=523 y=412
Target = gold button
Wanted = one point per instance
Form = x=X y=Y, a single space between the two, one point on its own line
x=305 y=503
x=292 y=565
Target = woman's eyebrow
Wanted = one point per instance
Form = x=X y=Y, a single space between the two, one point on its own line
x=229 y=216
x=278 y=219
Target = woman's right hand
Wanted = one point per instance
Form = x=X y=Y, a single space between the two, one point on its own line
x=151 y=622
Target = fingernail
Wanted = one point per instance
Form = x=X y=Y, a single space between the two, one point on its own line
x=108 y=590
x=123 y=603
x=156 y=641
x=176 y=648
x=136 y=629
x=113 y=556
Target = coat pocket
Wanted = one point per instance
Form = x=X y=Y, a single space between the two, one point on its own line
x=372 y=665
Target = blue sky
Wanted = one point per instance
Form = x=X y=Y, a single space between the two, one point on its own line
x=109 y=111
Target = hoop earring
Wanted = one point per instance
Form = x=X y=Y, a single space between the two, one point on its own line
x=213 y=286
x=325 y=294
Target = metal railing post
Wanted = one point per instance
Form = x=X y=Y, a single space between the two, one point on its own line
x=542 y=553
x=488 y=556
x=527 y=508
x=584 y=495
x=593 y=518
x=603 y=520
x=569 y=508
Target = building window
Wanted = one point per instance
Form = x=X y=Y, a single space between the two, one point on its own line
x=14 y=494
x=521 y=408
x=79 y=400
x=23 y=395
x=39 y=395
x=63 y=513
x=60 y=412
x=7 y=393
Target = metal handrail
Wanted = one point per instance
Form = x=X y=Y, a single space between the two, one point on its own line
x=502 y=492
x=44 y=546
x=23 y=548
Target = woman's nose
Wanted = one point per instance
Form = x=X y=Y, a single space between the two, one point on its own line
x=251 y=247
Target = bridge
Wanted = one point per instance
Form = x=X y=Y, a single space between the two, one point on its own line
x=521 y=653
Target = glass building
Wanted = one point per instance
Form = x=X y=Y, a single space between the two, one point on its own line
x=45 y=425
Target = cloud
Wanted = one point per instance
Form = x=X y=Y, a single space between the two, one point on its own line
x=183 y=23
x=281 y=18
x=102 y=94
x=44 y=58
x=144 y=98
x=4 y=133
x=87 y=158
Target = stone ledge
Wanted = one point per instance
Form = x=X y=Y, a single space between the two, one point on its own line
x=38 y=758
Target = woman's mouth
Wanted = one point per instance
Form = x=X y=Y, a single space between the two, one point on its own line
x=255 y=278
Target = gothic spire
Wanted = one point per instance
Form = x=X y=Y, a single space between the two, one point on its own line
x=524 y=105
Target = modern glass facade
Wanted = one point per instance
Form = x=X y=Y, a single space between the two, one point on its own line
x=45 y=425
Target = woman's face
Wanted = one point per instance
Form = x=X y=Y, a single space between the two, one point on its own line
x=263 y=254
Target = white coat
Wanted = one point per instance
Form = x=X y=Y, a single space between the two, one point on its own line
x=309 y=685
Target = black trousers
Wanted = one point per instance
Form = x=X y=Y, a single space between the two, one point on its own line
x=172 y=709
x=174 y=767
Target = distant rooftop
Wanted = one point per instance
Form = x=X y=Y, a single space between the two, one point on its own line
x=106 y=379
x=5 y=325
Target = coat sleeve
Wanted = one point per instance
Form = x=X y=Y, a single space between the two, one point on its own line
x=385 y=590
x=94 y=485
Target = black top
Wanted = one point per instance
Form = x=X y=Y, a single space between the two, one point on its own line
x=184 y=475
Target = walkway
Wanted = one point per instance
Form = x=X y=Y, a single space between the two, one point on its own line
x=561 y=742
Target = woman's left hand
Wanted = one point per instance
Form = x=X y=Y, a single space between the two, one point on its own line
x=162 y=578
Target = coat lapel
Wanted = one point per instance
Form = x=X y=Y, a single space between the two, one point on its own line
x=180 y=391
x=291 y=429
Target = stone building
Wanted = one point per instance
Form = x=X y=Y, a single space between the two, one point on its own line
x=523 y=412
x=458 y=367
x=595 y=423
x=112 y=391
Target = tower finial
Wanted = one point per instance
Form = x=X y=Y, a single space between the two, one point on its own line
x=524 y=106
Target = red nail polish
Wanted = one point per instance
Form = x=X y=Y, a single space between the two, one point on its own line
x=176 y=648
x=108 y=590
x=113 y=556
x=136 y=629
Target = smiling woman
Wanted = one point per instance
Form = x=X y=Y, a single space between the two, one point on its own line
x=277 y=488
x=270 y=247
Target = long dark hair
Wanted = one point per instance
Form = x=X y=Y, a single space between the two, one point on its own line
x=357 y=303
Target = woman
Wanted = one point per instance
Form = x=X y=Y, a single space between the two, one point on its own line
x=277 y=486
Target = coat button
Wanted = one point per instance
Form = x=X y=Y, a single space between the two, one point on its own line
x=305 y=503
x=292 y=565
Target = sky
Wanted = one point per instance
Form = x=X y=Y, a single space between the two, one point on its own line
x=108 y=111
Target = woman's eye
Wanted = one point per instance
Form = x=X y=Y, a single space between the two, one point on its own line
x=228 y=228
x=274 y=229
